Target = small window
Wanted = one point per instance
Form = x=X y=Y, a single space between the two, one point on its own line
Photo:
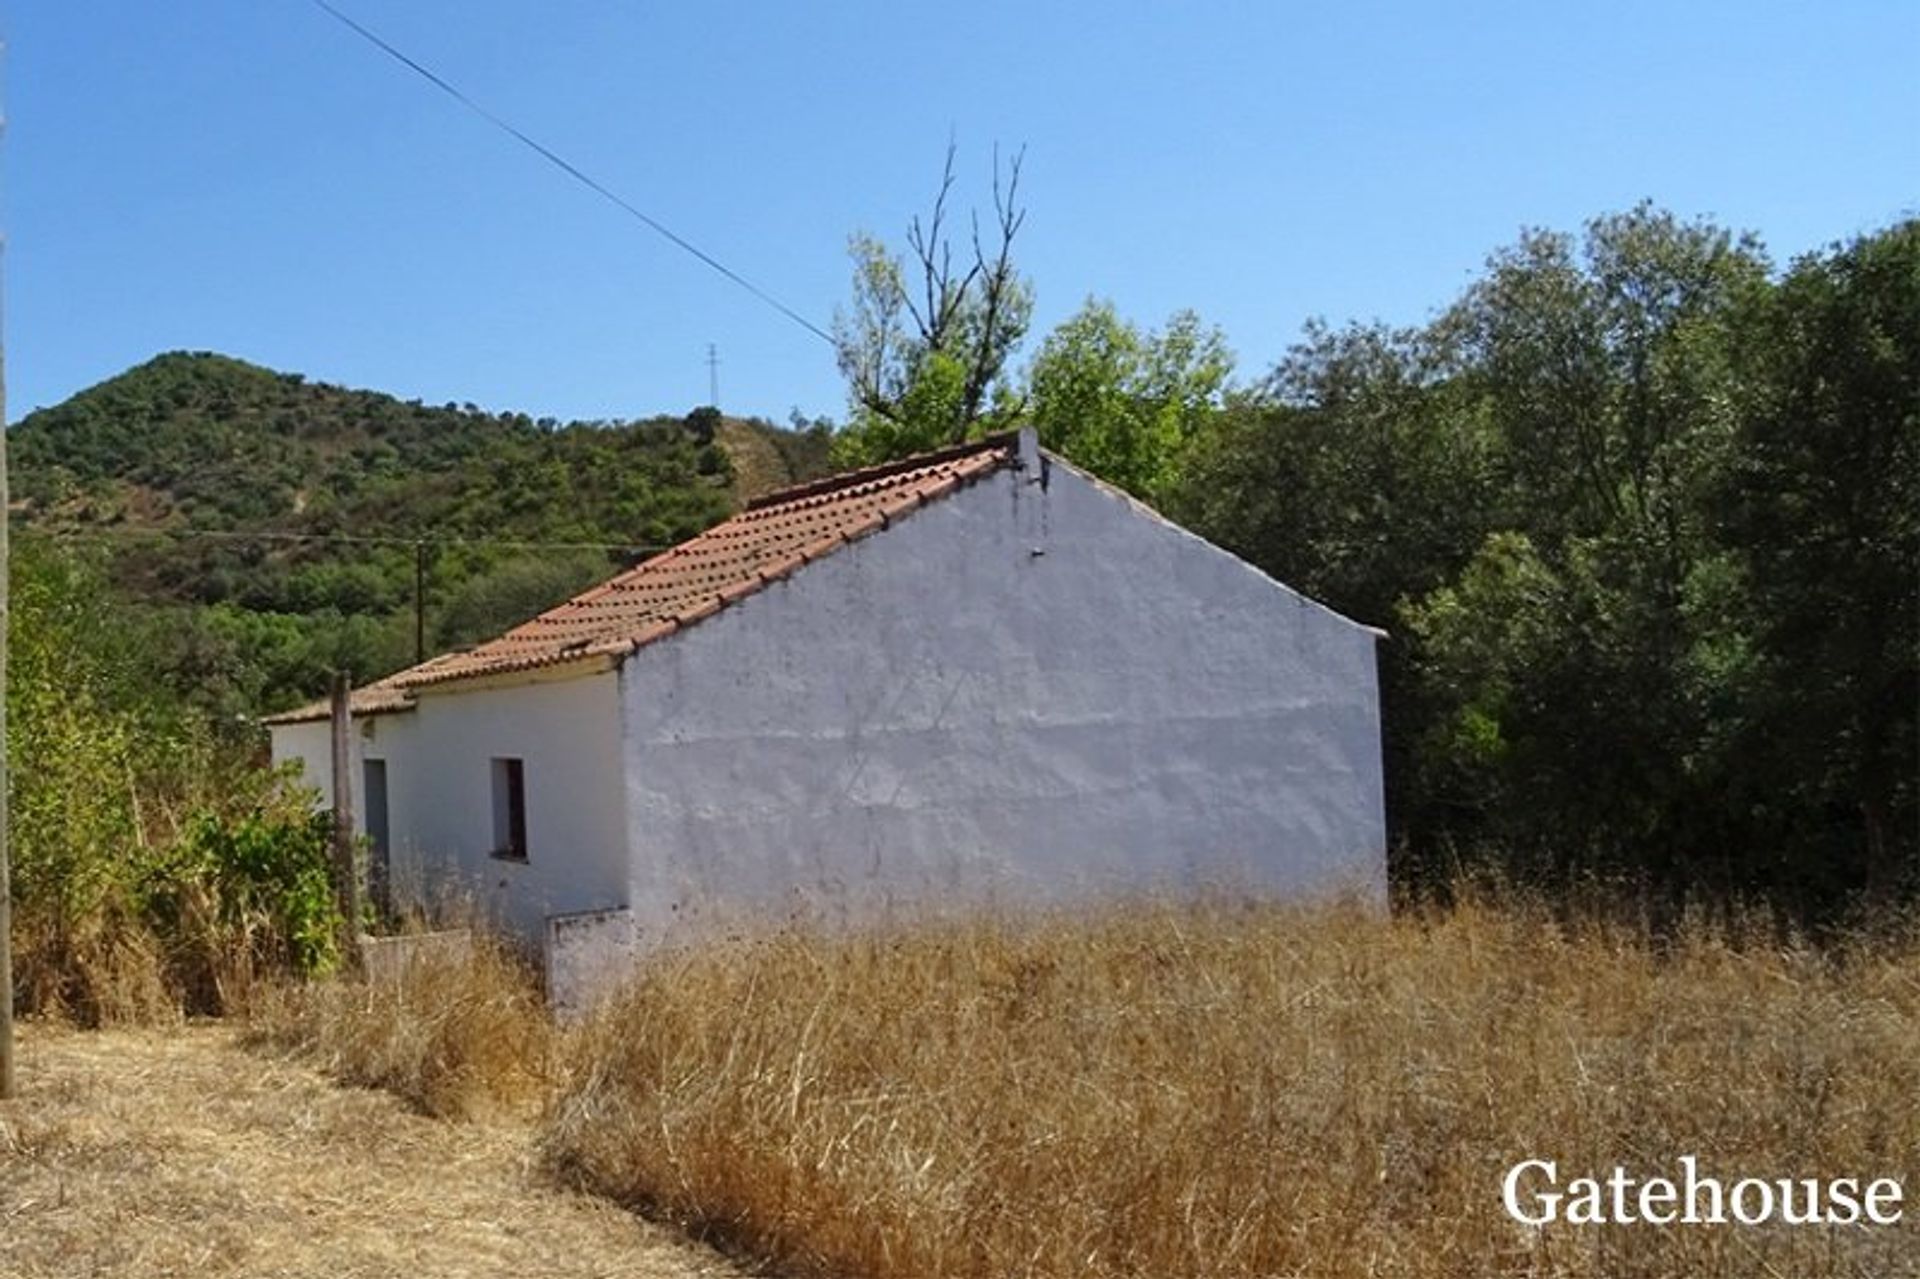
x=510 y=809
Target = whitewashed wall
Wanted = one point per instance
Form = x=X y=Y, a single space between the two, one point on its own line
x=440 y=806
x=311 y=746
x=1020 y=694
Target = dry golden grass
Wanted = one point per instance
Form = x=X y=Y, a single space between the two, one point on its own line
x=110 y=967
x=107 y=970
x=458 y=1033
x=138 y=1154
x=1251 y=1093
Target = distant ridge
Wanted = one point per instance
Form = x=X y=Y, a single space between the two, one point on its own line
x=173 y=464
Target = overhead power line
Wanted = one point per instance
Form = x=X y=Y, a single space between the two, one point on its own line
x=361 y=539
x=573 y=171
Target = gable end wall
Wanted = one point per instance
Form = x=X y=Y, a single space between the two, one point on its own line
x=1021 y=694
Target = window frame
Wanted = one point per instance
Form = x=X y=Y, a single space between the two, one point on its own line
x=507 y=776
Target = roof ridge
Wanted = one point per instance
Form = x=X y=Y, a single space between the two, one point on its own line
x=867 y=474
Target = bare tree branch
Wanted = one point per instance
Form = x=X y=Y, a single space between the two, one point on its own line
x=971 y=316
x=999 y=279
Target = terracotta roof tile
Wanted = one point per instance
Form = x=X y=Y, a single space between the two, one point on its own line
x=775 y=536
x=381 y=698
x=768 y=541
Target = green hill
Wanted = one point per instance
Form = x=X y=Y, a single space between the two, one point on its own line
x=268 y=528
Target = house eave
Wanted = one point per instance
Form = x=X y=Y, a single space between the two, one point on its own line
x=545 y=672
x=320 y=712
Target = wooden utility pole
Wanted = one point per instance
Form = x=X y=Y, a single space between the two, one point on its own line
x=6 y=876
x=346 y=868
x=419 y=602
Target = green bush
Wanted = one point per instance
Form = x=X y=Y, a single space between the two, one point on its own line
x=265 y=875
x=156 y=868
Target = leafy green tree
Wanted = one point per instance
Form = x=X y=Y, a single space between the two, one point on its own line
x=1822 y=506
x=1604 y=365
x=74 y=747
x=1605 y=370
x=1357 y=471
x=1640 y=520
x=1122 y=403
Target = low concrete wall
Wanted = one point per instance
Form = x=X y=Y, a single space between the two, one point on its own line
x=588 y=953
x=387 y=959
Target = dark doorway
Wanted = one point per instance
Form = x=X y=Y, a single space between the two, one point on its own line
x=373 y=776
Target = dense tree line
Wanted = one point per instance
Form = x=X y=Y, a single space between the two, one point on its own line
x=1640 y=513
x=1643 y=519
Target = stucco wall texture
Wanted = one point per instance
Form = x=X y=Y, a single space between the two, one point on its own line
x=1032 y=692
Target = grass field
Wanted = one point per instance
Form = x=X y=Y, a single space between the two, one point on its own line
x=144 y=1153
x=1241 y=1094
x=1207 y=1092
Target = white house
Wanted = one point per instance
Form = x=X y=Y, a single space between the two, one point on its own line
x=973 y=677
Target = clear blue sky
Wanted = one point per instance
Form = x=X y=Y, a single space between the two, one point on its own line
x=246 y=176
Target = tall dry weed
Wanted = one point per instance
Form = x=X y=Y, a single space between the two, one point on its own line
x=459 y=1032
x=103 y=969
x=1242 y=1092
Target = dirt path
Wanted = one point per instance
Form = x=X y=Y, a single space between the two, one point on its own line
x=175 y=1152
